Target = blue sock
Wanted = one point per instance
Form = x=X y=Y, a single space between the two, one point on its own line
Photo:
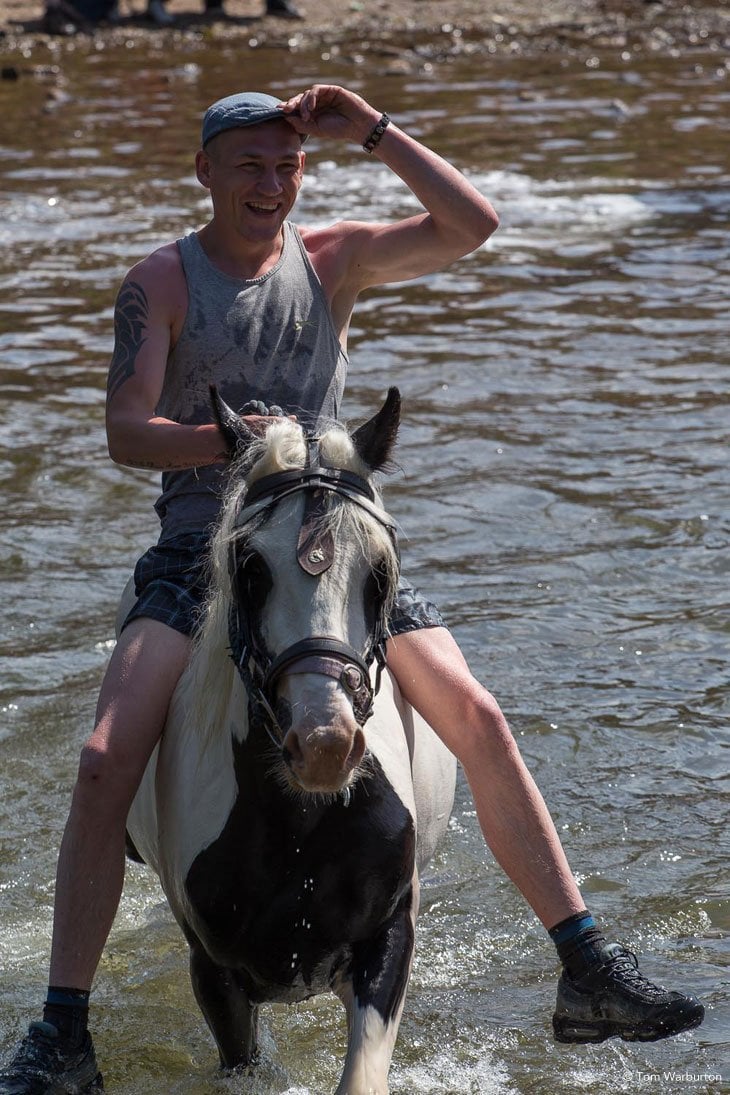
x=578 y=942
x=570 y=927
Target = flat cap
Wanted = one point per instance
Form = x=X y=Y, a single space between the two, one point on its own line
x=242 y=109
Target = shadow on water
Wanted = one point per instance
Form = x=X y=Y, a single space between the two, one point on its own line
x=563 y=494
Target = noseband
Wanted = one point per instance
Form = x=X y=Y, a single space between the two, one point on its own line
x=325 y=655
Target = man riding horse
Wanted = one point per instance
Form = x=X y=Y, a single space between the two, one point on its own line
x=261 y=308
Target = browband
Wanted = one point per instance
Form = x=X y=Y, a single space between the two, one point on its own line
x=271 y=488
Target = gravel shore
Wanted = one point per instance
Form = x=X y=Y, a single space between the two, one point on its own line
x=399 y=31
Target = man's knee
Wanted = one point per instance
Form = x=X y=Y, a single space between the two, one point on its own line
x=485 y=732
x=105 y=778
x=434 y=676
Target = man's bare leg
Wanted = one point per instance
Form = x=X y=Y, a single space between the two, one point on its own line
x=433 y=676
x=139 y=682
x=601 y=992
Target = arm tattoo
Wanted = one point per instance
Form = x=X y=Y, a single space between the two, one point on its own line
x=130 y=321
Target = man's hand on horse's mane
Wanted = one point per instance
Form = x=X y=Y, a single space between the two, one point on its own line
x=259 y=417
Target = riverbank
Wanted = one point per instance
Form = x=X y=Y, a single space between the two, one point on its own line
x=399 y=31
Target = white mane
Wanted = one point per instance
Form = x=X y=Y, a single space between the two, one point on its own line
x=211 y=673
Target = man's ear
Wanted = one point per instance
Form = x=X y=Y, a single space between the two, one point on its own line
x=202 y=168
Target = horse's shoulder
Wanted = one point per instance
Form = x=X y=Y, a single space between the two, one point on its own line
x=420 y=768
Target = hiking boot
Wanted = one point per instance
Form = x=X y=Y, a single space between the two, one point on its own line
x=614 y=998
x=46 y=1064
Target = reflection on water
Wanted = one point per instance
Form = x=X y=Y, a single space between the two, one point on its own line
x=563 y=495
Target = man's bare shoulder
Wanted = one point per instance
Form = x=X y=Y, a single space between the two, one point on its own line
x=341 y=234
x=158 y=282
x=164 y=262
x=335 y=253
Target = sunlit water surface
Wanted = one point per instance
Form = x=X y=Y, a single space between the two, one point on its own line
x=563 y=495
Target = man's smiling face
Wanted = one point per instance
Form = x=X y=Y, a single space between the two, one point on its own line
x=254 y=174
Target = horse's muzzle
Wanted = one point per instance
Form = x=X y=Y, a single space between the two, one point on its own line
x=323 y=760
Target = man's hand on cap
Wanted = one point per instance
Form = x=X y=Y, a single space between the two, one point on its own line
x=325 y=110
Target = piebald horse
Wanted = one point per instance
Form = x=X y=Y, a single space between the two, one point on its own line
x=294 y=796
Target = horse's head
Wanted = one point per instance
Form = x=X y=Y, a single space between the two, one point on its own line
x=312 y=569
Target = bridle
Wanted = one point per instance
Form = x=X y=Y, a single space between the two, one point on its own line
x=323 y=654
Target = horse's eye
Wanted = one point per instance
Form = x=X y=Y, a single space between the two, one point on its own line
x=381 y=578
x=375 y=593
x=253 y=581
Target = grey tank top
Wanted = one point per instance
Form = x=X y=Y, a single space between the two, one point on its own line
x=270 y=338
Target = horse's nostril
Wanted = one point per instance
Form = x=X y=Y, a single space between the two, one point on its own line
x=357 y=751
x=291 y=750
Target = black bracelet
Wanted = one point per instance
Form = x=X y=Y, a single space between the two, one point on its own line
x=376 y=134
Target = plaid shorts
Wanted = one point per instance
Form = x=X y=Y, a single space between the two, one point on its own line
x=170 y=583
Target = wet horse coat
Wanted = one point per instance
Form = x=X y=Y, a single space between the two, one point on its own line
x=288 y=822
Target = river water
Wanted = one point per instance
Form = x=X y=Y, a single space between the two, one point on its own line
x=563 y=490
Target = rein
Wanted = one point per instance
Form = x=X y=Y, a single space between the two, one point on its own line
x=315 y=553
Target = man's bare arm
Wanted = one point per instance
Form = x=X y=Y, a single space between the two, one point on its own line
x=457 y=219
x=151 y=303
x=144 y=316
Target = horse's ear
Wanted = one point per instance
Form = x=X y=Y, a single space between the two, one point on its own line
x=236 y=433
x=374 y=440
